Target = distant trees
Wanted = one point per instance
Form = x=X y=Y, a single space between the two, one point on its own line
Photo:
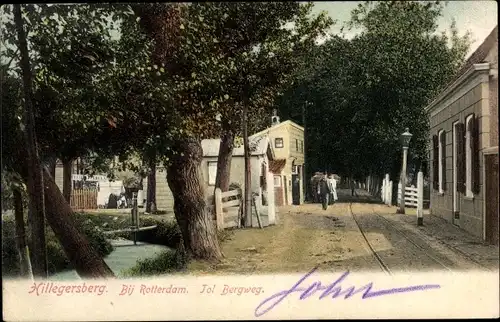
x=366 y=90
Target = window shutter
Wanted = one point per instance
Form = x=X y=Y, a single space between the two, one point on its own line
x=443 y=158
x=460 y=157
x=475 y=155
x=435 y=163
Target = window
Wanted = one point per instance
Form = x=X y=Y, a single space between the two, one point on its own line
x=468 y=156
x=278 y=142
x=212 y=173
x=302 y=146
x=277 y=181
x=442 y=161
x=296 y=145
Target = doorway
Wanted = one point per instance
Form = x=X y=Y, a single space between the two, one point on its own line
x=491 y=198
x=456 y=201
x=296 y=189
x=285 y=185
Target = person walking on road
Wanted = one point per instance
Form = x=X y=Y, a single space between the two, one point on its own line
x=333 y=189
x=353 y=188
x=324 y=191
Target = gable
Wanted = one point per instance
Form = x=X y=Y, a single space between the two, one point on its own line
x=278 y=128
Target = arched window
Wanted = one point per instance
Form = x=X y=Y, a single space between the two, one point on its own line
x=468 y=156
x=442 y=165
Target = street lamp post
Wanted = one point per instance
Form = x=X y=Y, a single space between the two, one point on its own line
x=405 y=141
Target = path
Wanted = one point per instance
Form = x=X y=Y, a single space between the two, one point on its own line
x=308 y=236
x=123 y=257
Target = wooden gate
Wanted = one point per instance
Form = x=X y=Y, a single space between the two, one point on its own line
x=491 y=198
x=83 y=199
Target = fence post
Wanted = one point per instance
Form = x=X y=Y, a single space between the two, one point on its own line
x=219 y=214
x=400 y=193
x=383 y=190
x=271 y=210
x=420 y=198
x=386 y=189
x=389 y=195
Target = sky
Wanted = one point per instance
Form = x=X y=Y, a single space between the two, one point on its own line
x=478 y=17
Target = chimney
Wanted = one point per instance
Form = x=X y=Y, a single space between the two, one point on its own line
x=275 y=119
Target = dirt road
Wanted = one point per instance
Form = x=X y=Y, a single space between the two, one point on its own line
x=332 y=239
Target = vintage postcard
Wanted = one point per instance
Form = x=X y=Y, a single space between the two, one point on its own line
x=249 y=160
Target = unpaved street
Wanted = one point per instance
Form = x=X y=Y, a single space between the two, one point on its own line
x=307 y=235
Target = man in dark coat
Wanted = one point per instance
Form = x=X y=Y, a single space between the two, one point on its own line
x=324 y=191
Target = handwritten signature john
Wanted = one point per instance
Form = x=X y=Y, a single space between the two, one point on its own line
x=333 y=291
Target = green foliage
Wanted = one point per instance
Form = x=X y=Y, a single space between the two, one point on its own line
x=359 y=95
x=166 y=233
x=94 y=234
x=57 y=259
x=228 y=55
x=166 y=262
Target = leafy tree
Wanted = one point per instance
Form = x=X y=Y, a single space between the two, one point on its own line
x=224 y=58
x=87 y=262
x=366 y=90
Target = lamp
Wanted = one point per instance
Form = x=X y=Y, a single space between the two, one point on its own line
x=405 y=142
x=406 y=138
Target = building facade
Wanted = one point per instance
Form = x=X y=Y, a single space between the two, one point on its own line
x=464 y=145
x=287 y=142
x=260 y=159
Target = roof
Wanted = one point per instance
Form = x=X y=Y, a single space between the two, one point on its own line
x=481 y=52
x=472 y=64
x=211 y=147
x=274 y=127
x=276 y=166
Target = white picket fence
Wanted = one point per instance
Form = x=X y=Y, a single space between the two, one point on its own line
x=413 y=196
x=386 y=190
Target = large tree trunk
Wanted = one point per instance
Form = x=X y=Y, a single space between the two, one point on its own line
x=191 y=211
x=84 y=258
x=35 y=175
x=67 y=179
x=223 y=177
x=151 y=197
x=22 y=247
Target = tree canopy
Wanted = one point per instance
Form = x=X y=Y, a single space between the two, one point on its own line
x=365 y=91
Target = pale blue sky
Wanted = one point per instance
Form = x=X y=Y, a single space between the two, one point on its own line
x=479 y=17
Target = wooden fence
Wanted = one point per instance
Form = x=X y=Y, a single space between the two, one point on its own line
x=411 y=196
x=226 y=213
x=83 y=199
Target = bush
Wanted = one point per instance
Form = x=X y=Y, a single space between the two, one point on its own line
x=165 y=262
x=94 y=234
x=57 y=259
x=166 y=233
